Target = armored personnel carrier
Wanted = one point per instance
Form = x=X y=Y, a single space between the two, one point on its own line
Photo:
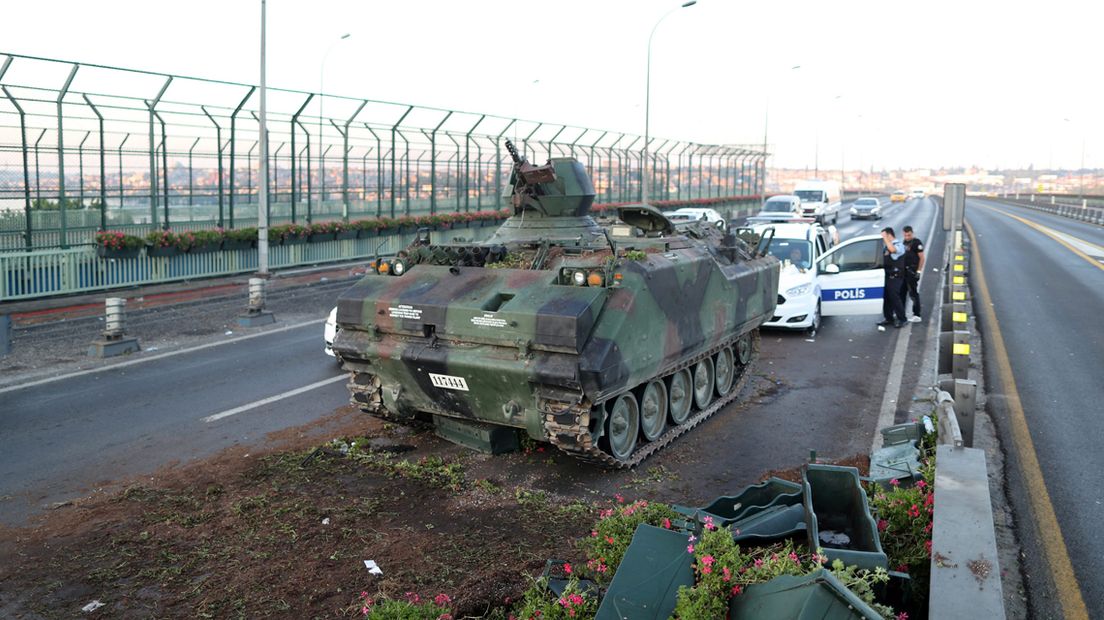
x=609 y=346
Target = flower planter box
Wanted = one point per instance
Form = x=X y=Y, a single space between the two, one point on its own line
x=346 y=234
x=384 y=232
x=105 y=252
x=367 y=233
x=294 y=240
x=835 y=500
x=236 y=245
x=205 y=248
x=321 y=237
x=158 y=250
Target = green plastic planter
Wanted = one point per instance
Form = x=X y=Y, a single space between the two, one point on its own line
x=835 y=501
x=816 y=596
x=646 y=584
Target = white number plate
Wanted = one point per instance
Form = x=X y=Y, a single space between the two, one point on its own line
x=448 y=382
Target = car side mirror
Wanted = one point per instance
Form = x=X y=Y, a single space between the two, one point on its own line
x=831 y=268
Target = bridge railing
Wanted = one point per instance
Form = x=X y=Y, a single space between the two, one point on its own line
x=170 y=151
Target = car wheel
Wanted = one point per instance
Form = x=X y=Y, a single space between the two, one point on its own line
x=815 y=324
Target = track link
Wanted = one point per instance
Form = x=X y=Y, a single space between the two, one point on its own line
x=567 y=424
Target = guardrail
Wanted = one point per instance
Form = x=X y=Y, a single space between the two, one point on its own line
x=965 y=570
x=1083 y=210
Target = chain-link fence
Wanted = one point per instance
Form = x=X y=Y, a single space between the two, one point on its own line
x=88 y=147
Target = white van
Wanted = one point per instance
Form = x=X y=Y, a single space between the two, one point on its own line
x=820 y=200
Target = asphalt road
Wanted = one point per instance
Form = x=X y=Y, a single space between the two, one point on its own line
x=65 y=438
x=1048 y=303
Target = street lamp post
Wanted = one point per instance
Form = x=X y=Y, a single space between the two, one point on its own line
x=321 y=104
x=644 y=185
x=262 y=208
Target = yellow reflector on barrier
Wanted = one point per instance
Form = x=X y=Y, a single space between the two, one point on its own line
x=960 y=348
x=960 y=258
x=960 y=267
x=958 y=317
x=959 y=280
x=958 y=296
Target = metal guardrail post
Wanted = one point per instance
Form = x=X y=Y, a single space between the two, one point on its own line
x=5 y=334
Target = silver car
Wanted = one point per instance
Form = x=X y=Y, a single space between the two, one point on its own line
x=780 y=209
x=866 y=207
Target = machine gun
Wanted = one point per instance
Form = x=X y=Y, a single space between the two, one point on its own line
x=528 y=178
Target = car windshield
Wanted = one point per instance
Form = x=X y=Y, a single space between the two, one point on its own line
x=796 y=251
x=866 y=202
x=810 y=195
x=899 y=193
x=680 y=216
x=778 y=206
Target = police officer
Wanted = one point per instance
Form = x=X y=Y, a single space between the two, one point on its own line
x=914 y=266
x=893 y=309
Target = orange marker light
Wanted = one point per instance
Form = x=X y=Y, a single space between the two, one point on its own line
x=594 y=279
x=384 y=267
x=617 y=276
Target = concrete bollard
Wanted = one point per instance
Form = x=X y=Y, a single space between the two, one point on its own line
x=1052 y=200
x=965 y=402
x=114 y=340
x=255 y=314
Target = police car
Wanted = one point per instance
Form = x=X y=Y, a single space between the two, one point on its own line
x=819 y=279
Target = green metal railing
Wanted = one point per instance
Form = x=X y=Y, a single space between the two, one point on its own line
x=163 y=151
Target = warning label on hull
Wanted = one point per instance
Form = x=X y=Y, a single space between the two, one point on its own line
x=488 y=320
x=404 y=311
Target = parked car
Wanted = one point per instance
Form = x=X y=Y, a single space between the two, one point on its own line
x=916 y=193
x=866 y=207
x=330 y=331
x=691 y=214
x=898 y=196
x=780 y=209
x=818 y=279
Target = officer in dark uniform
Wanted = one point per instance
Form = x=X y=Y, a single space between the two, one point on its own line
x=914 y=266
x=893 y=261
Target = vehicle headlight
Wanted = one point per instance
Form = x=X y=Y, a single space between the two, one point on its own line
x=798 y=290
x=854 y=211
x=579 y=278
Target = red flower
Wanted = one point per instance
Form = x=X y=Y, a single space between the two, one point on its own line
x=567 y=568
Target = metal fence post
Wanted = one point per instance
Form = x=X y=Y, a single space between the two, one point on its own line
x=433 y=164
x=457 y=155
x=345 y=161
x=498 y=163
x=28 y=232
x=294 y=153
x=191 y=184
x=164 y=168
x=394 y=130
x=218 y=147
x=467 y=163
x=61 y=157
x=233 y=149
x=152 y=106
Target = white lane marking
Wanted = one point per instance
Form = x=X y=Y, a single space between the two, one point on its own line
x=272 y=399
x=1088 y=248
x=158 y=356
x=888 y=411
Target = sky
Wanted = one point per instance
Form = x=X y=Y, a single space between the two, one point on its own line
x=876 y=84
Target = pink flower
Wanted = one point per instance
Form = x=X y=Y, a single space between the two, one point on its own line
x=727 y=573
x=690 y=548
x=706 y=570
x=442 y=600
x=902 y=616
x=666 y=523
x=758 y=562
x=594 y=533
x=620 y=499
x=793 y=556
x=692 y=538
x=708 y=560
x=736 y=590
x=882 y=525
x=914 y=511
x=567 y=568
x=928 y=546
x=895 y=482
x=920 y=484
x=609 y=539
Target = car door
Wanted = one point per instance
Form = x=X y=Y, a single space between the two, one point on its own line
x=851 y=277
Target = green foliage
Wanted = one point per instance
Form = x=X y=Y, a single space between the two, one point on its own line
x=905 y=524
x=635 y=255
x=118 y=240
x=612 y=534
x=512 y=260
x=202 y=238
x=367 y=224
x=241 y=234
x=287 y=231
x=432 y=469
x=163 y=239
x=540 y=603
x=71 y=204
x=410 y=607
x=861 y=583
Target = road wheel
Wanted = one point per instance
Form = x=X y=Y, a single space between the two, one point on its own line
x=743 y=349
x=679 y=395
x=623 y=426
x=703 y=383
x=724 y=366
x=653 y=410
x=815 y=325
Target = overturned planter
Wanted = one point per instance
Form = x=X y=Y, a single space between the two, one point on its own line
x=835 y=504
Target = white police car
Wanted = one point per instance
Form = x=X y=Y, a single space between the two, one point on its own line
x=819 y=279
x=329 y=331
x=692 y=214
